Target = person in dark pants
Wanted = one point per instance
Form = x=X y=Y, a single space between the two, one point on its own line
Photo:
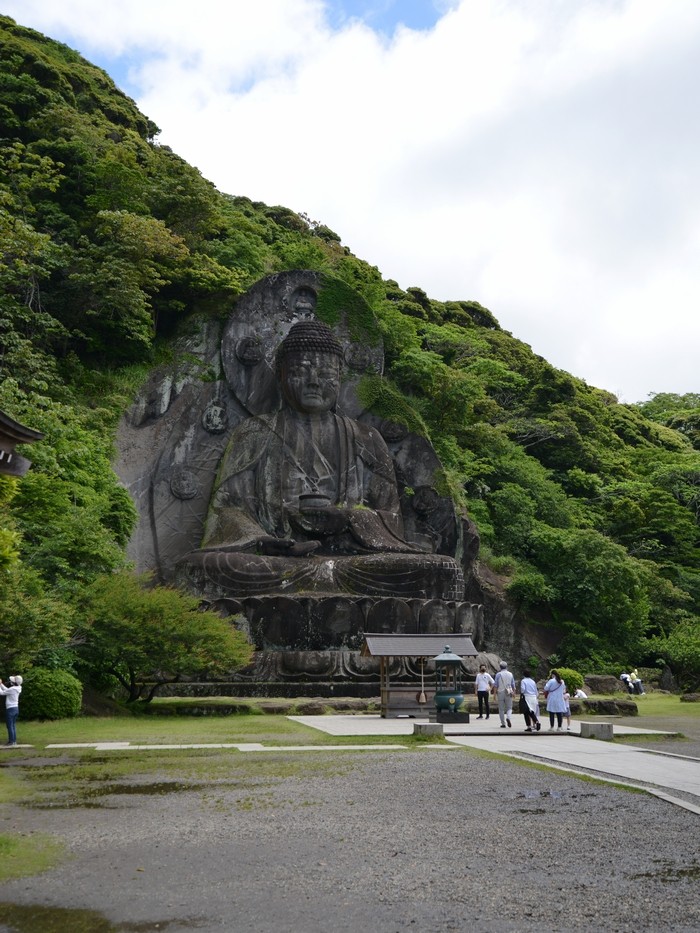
x=482 y=685
x=11 y=695
x=530 y=710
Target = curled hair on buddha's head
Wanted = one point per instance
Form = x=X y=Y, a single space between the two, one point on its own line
x=310 y=336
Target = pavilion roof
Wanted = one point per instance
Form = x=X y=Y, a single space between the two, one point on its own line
x=417 y=646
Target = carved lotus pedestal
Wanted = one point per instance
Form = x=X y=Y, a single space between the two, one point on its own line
x=310 y=644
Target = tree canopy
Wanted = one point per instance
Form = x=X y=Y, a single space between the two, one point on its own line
x=146 y=637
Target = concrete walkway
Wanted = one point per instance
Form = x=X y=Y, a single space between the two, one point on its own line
x=659 y=773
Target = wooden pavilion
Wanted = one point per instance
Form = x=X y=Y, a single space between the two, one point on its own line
x=411 y=699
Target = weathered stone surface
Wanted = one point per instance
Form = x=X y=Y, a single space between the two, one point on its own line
x=597 y=730
x=428 y=728
x=609 y=707
x=604 y=683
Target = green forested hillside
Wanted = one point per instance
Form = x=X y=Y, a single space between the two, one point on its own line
x=108 y=242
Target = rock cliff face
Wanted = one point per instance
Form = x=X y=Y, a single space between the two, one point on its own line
x=503 y=631
x=381 y=549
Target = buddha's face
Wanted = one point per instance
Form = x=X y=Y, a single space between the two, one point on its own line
x=311 y=381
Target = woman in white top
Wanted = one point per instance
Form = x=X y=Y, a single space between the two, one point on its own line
x=528 y=690
x=554 y=690
x=11 y=695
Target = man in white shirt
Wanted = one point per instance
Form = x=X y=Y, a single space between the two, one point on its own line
x=504 y=686
x=482 y=684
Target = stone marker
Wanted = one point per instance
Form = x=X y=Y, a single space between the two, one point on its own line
x=597 y=730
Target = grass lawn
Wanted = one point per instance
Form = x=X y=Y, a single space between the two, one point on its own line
x=168 y=730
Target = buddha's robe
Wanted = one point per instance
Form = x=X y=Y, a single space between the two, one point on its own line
x=356 y=536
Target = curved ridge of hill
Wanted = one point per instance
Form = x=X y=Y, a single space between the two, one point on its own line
x=109 y=243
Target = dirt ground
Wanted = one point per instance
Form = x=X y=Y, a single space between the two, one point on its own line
x=388 y=841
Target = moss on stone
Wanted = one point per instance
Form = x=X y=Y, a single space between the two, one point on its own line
x=379 y=396
x=338 y=301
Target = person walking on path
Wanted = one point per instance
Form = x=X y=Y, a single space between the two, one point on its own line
x=504 y=686
x=483 y=684
x=554 y=690
x=11 y=695
x=530 y=708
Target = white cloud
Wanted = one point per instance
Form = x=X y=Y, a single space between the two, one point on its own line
x=538 y=155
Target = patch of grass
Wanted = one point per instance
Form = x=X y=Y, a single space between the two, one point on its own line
x=648 y=739
x=11 y=787
x=25 y=855
x=656 y=704
x=157 y=730
x=90 y=781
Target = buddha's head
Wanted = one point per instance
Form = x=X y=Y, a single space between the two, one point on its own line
x=308 y=367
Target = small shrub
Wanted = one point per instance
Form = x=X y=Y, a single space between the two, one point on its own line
x=572 y=679
x=50 y=695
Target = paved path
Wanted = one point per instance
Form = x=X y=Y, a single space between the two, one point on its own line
x=658 y=772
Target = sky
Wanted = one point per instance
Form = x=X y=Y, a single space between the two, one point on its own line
x=538 y=156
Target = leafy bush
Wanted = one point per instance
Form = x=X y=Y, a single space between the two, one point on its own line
x=50 y=695
x=572 y=679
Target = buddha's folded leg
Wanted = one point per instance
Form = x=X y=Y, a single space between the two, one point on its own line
x=244 y=574
x=430 y=576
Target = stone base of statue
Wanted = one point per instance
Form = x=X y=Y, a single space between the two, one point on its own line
x=309 y=643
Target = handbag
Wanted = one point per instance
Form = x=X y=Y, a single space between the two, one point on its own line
x=522 y=705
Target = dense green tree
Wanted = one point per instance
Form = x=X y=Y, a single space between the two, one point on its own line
x=680 y=412
x=681 y=651
x=148 y=637
x=33 y=619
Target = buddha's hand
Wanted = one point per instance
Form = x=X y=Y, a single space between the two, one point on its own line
x=286 y=547
x=328 y=520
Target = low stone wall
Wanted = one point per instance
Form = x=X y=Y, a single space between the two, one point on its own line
x=589 y=707
x=315 y=706
x=308 y=706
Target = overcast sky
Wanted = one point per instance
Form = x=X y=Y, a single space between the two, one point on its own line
x=539 y=156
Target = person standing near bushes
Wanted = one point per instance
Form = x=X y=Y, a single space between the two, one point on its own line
x=11 y=695
x=530 y=708
x=554 y=690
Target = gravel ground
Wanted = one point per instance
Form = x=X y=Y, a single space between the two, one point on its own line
x=424 y=840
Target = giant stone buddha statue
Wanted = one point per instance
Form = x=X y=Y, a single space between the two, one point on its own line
x=306 y=499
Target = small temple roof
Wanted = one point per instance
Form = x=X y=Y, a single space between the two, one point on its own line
x=417 y=646
x=11 y=434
